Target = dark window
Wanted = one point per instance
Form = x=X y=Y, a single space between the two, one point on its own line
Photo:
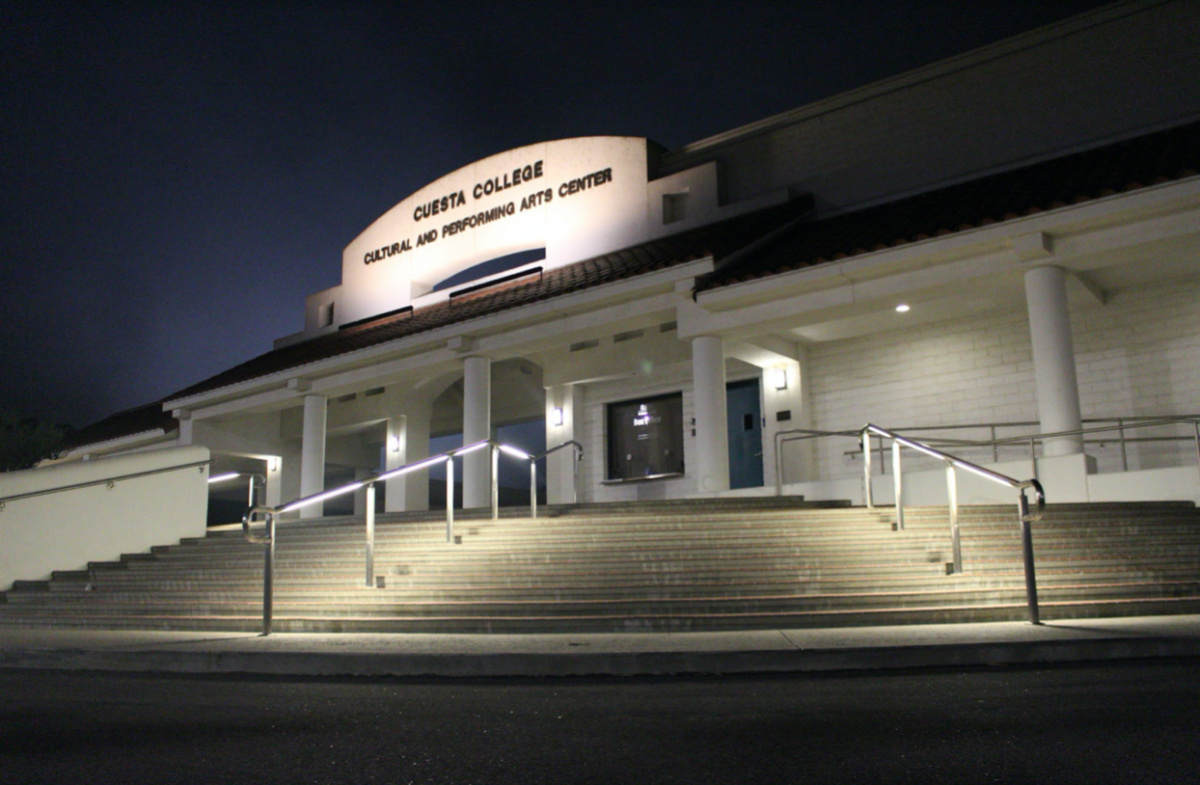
x=645 y=437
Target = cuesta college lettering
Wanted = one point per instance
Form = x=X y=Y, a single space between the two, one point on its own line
x=494 y=185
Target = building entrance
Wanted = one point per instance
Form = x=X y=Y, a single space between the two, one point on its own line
x=744 y=411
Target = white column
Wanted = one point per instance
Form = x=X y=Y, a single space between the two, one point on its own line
x=711 y=462
x=1053 y=358
x=477 y=424
x=395 y=455
x=560 y=467
x=274 y=474
x=360 y=496
x=312 y=453
x=792 y=398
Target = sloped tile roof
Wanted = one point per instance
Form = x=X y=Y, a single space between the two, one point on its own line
x=1125 y=166
x=719 y=239
x=141 y=419
x=1073 y=179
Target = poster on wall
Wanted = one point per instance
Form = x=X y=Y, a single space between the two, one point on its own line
x=645 y=437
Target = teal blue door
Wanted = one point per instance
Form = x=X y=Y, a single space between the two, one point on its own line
x=744 y=411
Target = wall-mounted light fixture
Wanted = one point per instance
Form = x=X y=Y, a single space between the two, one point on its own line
x=902 y=308
x=273 y=464
x=394 y=443
x=779 y=378
x=556 y=416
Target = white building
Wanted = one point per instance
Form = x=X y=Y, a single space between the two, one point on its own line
x=1035 y=204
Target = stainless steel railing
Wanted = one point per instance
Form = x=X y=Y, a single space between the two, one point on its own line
x=253 y=477
x=953 y=463
x=1121 y=426
x=109 y=481
x=270 y=514
x=533 y=459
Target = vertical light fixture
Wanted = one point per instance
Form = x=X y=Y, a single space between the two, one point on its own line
x=779 y=378
x=556 y=416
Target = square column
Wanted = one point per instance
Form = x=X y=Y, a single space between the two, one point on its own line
x=791 y=401
x=560 y=467
x=711 y=461
x=407 y=442
x=312 y=453
x=1053 y=358
x=477 y=425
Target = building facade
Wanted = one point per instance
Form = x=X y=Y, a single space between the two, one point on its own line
x=1034 y=206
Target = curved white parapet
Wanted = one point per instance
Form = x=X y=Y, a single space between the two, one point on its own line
x=67 y=528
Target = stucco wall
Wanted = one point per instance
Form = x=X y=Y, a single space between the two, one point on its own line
x=66 y=530
x=1137 y=355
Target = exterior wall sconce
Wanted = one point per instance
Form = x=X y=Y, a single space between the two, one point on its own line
x=556 y=416
x=779 y=378
x=394 y=443
x=902 y=308
x=272 y=464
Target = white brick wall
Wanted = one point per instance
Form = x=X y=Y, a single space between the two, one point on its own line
x=1139 y=355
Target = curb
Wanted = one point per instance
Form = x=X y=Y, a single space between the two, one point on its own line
x=509 y=665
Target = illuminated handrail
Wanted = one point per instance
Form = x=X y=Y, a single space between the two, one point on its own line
x=533 y=459
x=270 y=514
x=252 y=476
x=1025 y=517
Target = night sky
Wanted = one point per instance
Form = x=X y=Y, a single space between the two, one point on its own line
x=176 y=177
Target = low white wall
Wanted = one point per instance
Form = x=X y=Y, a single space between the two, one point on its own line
x=1181 y=483
x=1064 y=479
x=66 y=530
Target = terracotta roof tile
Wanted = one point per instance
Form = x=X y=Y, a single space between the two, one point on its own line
x=1125 y=166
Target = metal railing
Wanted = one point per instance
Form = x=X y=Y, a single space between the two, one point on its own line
x=1120 y=426
x=109 y=481
x=953 y=463
x=270 y=514
x=533 y=459
x=260 y=479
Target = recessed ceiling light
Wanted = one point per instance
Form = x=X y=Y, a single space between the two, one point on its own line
x=901 y=308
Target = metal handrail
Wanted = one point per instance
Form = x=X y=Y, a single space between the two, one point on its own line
x=252 y=476
x=533 y=459
x=109 y=481
x=1025 y=517
x=271 y=513
x=1123 y=424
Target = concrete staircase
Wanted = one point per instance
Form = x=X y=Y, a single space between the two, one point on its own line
x=681 y=565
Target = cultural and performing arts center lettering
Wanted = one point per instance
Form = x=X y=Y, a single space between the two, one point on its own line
x=489 y=187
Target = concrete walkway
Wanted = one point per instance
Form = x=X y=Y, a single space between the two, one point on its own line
x=624 y=654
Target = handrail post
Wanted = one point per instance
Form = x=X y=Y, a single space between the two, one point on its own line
x=269 y=576
x=495 y=482
x=532 y=488
x=898 y=480
x=1121 y=433
x=450 y=500
x=577 y=451
x=952 y=496
x=370 y=537
x=1027 y=555
x=1196 y=425
x=1033 y=457
x=995 y=447
x=778 y=465
x=866 y=448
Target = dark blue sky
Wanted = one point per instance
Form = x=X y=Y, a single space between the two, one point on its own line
x=176 y=177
